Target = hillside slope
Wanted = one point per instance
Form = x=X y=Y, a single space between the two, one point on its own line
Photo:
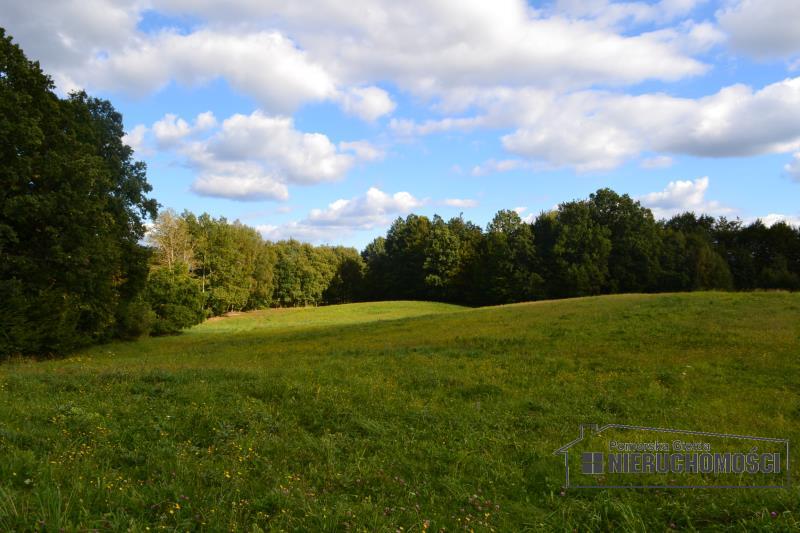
x=397 y=414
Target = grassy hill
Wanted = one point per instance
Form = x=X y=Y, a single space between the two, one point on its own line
x=397 y=414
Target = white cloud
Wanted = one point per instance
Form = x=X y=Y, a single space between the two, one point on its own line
x=363 y=150
x=702 y=36
x=367 y=103
x=792 y=168
x=465 y=42
x=63 y=35
x=364 y=212
x=762 y=28
x=274 y=142
x=681 y=196
x=266 y=65
x=659 y=161
x=254 y=157
x=170 y=130
x=464 y=203
x=135 y=139
x=529 y=218
x=373 y=209
x=506 y=64
x=582 y=142
x=300 y=232
x=596 y=131
x=205 y=121
x=247 y=184
x=493 y=166
x=287 y=53
x=774 y=218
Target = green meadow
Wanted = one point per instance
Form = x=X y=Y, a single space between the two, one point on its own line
x=398 y=416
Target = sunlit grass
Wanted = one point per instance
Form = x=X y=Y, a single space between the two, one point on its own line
x=395 y=414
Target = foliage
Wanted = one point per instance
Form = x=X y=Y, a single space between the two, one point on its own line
x=606 y=244
x=176 y=299
x=72 y=203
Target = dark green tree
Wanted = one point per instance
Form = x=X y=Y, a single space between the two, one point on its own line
x=580 y=253
x=176 y=299
x=72 y=203
x=510 y=267
x=633 y=261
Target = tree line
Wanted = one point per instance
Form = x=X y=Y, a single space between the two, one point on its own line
x=608 y=243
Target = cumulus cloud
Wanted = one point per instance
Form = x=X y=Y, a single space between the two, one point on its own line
x=762 y=28
x=364 y=212
x=529 y=218
x=135 y=139
x=373 y=209
x=300 y=232
x=266 y=65
x=170 y=130
x=792 y=168
x=287 y=53
x=774 y=218
x=367 y=103
x=64 y=35
x=240 y=183
x=501 y=65
x=593 y=130
x=464 y=203
x=274 y=142
x=681 y=196
x=255 y=156
x=600 y=130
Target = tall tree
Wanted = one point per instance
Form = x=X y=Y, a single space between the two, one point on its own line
x=510 y=268
x=580 y=252
x=72 y=203
x=172 y=240
x=635 y=240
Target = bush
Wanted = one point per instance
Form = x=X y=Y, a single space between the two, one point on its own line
x=176 y=298
x=135 y=319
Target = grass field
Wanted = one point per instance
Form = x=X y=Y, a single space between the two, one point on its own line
x=397 y=416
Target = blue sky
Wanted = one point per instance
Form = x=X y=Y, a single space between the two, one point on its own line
x=325 y=120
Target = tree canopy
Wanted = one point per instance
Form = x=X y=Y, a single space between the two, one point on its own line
x=72 y=208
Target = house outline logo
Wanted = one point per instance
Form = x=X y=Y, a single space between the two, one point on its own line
x=591 y=464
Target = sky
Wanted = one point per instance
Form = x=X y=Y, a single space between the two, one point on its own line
x=324 y=120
